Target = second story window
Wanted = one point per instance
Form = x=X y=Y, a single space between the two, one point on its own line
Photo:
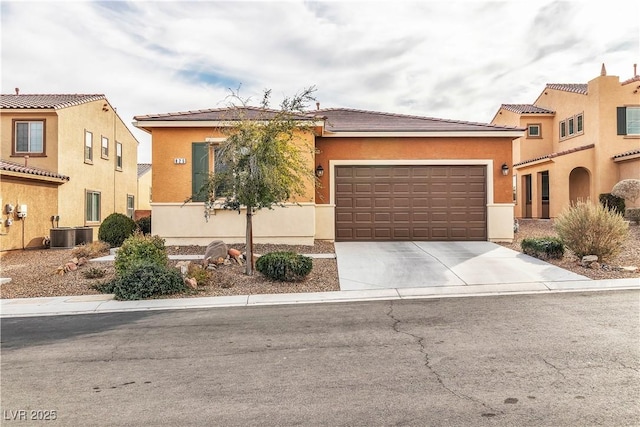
x=104 y=152
x=534 y=131
x=28 y=137
x=88 y=146
x=118 y=156
x=629 y=121
x=572 y=126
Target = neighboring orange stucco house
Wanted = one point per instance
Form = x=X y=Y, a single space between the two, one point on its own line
x=581 y=139
x=143 y=199
x=383 y=177
x=70 y=159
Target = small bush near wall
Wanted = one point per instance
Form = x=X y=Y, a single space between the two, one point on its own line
x=115 y=228
x=543 y=247
x=144 y=225
x=284 y=266
x=612 y=202
x=592 y=229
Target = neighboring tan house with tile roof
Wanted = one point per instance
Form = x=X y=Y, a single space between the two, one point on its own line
x=383 y=177
x=68 y=158
x=580 y=140
x=143 y=201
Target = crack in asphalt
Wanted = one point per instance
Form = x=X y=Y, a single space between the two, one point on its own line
x=427 y=361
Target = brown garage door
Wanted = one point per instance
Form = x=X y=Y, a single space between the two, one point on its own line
x=411 y=203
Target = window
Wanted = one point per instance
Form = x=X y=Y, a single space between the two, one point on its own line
x=118 y=156
x=28 y=137
x=533 y=131
x=88 y=146
x=628 y=120
x=580 y=123
x=130 y=205
x=92 y=206
x=219 y=167
x=104 y=152
x=572 y=126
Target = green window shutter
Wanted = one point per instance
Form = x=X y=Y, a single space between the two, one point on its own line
x=199 y=169
x=622 y=120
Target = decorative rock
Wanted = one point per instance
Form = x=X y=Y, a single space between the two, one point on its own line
x=234 y=253
x=216 y=249
x=191 y=282
x=183 y=266
x=594 y=265
x=82 y=261
x=630 y=269
x=70 y=266
x=589 y=258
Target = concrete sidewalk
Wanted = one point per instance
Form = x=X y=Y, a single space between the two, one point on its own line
x=88 y=304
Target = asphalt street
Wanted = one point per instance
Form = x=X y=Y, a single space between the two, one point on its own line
x=528 y=360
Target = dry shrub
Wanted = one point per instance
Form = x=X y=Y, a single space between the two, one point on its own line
x=92 y=250
x=592 y=229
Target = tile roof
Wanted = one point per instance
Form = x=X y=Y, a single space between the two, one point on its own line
x=45 y=101
x=350 y=120
x=626 y=153
x=631 y=80
x=218 y=114
x=29 y=170
x=558 y=154
x=526 y=109
x=580 y=88
x=143 y=168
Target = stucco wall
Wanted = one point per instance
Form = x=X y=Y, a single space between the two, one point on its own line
x=143 y=200
x=101 y=174
x=42 y=202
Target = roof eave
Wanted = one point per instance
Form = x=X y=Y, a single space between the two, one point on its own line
x=511 y=133
x=33 y=177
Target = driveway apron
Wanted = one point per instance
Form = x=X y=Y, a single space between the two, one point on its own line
x=393 y=265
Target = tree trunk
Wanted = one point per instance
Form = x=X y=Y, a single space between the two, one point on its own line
x=249 y=240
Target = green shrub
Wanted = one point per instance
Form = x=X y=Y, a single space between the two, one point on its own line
x=115 y=228
x=612 y=202
x=139 y=249
x=284 y=266
x=145 y=281
x=199 y=273
x=633 y=214
x=144 y=225
x=543 y=247
x=592 y=229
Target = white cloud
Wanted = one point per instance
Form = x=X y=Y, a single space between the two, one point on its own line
x=455 y=60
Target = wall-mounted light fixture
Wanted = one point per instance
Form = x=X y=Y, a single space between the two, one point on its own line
x=505 y=169
x=319 y=171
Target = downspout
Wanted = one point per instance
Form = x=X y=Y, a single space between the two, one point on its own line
x=115 y=157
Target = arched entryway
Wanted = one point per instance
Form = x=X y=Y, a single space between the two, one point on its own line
x=579 y=185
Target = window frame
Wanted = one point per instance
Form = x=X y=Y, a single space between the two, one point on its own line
x=88 y=147
x=563 y=129
x=14 y=138
x=89 y=194
x=534 y=125
x=104 y=147
x=119 y=156
x=636 y=132
x=571 y=126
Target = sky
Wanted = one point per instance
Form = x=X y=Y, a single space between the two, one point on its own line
x=457 y=60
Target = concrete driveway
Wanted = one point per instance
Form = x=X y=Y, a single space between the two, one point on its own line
x=393 y=265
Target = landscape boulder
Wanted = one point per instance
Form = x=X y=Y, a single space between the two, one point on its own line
x=216 y=249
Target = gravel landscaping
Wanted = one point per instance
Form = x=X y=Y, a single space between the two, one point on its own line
x=33 y=272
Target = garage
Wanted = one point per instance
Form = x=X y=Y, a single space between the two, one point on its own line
x=411 y=202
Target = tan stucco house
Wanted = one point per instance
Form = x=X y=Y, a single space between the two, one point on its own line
x=68 y=159
x=383 y=177
x=580 y=140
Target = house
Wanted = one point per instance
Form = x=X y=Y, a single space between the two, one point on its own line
x=383 y=177
x=580 y=140
x=68 y=160
x=143 y=201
